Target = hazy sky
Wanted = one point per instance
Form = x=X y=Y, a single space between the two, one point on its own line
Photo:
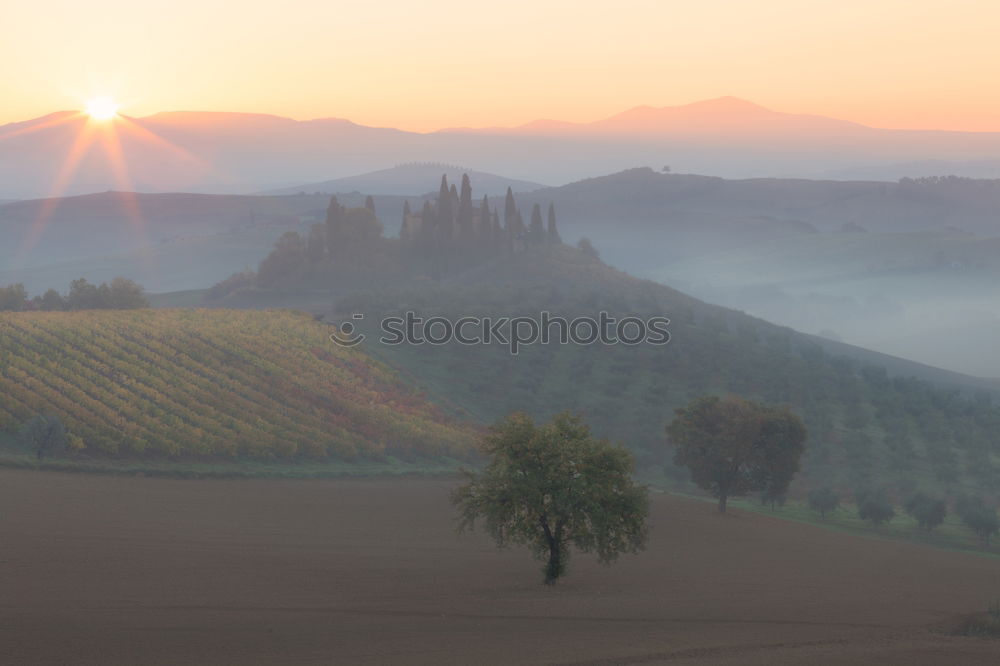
x=428 y=64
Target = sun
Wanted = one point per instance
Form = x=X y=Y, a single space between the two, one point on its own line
x=102 y=108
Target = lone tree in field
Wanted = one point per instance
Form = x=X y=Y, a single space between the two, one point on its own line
x=554 y=486
x=824 y=500
x=733 y=446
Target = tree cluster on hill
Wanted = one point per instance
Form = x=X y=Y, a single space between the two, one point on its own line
x=456 y=226
x=950 y=181
x=455 y=232
x=119 y=294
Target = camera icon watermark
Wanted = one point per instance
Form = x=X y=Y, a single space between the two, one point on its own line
x=347 y=334
x=512 y=332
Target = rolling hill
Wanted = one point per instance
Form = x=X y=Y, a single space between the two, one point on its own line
x=906 y=268
x=213 y=385
x=411 y=180
x=896 y=267
x=872 y=418
x=167 y=242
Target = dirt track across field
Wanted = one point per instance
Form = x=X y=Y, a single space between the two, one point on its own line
x=105 y=570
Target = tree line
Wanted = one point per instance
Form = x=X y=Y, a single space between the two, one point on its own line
x=454 y=222
x=119 y=294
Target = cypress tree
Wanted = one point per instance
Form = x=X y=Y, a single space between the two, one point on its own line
x=334 y=222
x=485 y=219
x=518 y=237
x=427 y=224
x=465 y=209
x=553 y=233
x=509 y=210
x=405 y=234
x=519 y=223
x=499 y=235
x=445 y=215
x=536 y=233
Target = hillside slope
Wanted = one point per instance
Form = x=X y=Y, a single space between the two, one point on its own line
x=872 y=419
x=212 y=384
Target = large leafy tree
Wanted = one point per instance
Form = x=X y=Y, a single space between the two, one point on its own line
x=733 y=446
x=554 y=486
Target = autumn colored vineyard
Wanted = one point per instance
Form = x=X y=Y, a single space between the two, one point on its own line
x=212 y=384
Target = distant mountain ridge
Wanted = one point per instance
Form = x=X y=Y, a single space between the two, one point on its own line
x=221 y=152
x=723 y=114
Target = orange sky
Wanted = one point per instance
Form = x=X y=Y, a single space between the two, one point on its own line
x=441 y=63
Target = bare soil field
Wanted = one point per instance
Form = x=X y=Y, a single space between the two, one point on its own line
x=110 y=570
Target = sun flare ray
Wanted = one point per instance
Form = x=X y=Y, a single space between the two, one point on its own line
x=106 y=127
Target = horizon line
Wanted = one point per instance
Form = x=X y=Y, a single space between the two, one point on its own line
x=538 y=120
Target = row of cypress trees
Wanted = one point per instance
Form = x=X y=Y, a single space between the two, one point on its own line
x=452 y=221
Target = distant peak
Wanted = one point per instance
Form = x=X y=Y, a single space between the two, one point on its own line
x=728 y=101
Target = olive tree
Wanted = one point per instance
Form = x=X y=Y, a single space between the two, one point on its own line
x=824 y=500
x=554 y=486
x=873 y=505
x=978 y=517
x=733 y=446
x=44 y=434
x=929 y=512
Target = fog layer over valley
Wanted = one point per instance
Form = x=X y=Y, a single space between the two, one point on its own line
x=906 y=268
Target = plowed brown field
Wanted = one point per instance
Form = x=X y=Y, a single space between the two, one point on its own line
x=105 y=570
